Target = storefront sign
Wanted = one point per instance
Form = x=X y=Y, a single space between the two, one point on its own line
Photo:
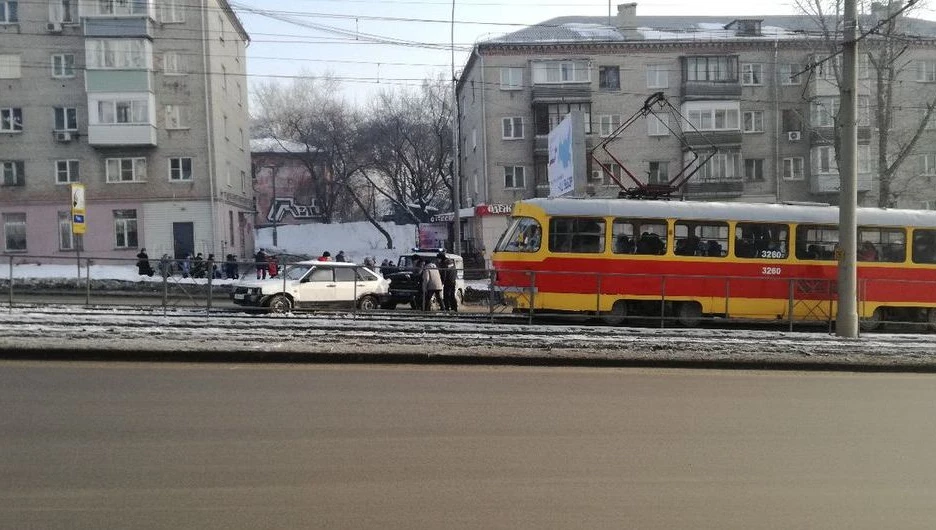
x=493 y=209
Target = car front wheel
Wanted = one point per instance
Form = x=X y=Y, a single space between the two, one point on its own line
x=368 y=303
x=280 y=303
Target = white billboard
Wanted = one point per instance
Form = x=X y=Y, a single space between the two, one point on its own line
x=559 y=170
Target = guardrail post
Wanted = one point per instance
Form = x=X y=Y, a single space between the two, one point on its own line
x=829 y=290
x=11 y=284
x=165 y=277
x=354 y=301
x=727 y=296
x=663 y=302
x=598 y=295
x=790 y=304
x=210 y=277
x=532 y=294
x=490 y=296
x=87 y=282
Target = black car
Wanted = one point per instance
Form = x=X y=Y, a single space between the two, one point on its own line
x=405 y=280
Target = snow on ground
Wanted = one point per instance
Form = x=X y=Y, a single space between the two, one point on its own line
x=358 y=240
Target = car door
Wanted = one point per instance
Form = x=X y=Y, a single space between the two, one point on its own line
x=346 y=291
x=318 y=288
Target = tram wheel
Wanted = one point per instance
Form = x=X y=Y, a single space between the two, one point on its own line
x=617 y=315
x=874 y=321
x=689 y=314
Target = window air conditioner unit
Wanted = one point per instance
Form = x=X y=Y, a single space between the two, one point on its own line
x=63 y=136
x=793 y=136
x=54 y=27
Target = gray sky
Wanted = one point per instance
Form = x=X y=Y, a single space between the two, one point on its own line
x=313 y=37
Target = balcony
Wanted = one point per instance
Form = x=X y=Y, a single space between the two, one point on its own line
x=709 y=189
x=692 y=90
x=832 y=183
x=707 y=138
x=106 y=27
x=121 y=134
x=118 y=81
x=562 y=93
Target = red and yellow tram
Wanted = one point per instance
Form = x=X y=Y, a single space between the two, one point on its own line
x=688 y=260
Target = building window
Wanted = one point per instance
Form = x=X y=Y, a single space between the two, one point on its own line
x=724 y=166
x=123 y=111
x=61 y=11
x=926 y=71
x=66 y=119
x=223 y=77
x=243 y=183
x=658 y=173
x=657 y=76
x=118 y=7
x=609 y=78
x=117 y=54
x=824 y=160
x=126 y=169
x=711 y=116
x=66 y=171
x=180 y=169
x=790 y=74
x=512 y=128
x=753 y=121
x=514 y=177
x=658 y=124
x=928 y=164
x=548 y=72
x=712 y=69
x=12 y=173
x=864 y=111
x=824 y=111
x=753 y=169
x=607 y=124
x=8 y=12
x=601 y=176
x=10 y=66
x=173 y=63
x=11 y=120
x=511 y=78
x=67 y=239
x=176 y=116
x=14 y=232
x=125 y=228
x=63 y=65
x=752 y=74
x=172 y=11
x=546 y=117
x=793 y=168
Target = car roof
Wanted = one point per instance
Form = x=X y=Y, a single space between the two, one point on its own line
x=329 y=263
x=431 y=255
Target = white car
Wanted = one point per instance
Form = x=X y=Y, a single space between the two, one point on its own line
x=315 y=284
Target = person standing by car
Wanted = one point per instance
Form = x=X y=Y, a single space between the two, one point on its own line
x=260 y=261
x=449 y=275
x=431 y=285
x=340 y=258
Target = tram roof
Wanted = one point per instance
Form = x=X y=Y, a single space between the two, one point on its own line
x=735 y=211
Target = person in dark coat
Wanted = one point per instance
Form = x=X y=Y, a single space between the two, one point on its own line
x=449 y=275
x=340 y=258
x=261 y=263
x=230 y=267
x=198 y=266
x=143 y=264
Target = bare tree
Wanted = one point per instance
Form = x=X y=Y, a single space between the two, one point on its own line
x=899 y=126
x=411 y=152
x=310 y=111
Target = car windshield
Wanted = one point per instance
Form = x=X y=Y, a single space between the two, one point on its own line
x=296 y=272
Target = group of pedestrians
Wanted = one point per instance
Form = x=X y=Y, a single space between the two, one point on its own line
x=196 y=267
x=438 y=282
x=266 y=264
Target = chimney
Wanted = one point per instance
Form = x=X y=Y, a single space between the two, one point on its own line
x=627 y=20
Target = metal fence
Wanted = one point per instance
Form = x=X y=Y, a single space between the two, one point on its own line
x=96 y=281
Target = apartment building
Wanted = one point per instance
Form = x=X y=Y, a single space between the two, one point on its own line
x=762 y=91
x=144 y=103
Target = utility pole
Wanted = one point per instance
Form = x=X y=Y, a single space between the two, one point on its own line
x=846 y=321
x=456 y=124
x=273 y=203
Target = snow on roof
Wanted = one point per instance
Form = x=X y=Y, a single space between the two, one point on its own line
x=276 y=145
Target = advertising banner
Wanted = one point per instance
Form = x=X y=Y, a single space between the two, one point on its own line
x=560 y=168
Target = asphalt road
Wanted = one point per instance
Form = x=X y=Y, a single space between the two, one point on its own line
x=95 y=446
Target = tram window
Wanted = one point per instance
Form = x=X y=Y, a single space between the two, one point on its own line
x=523 y=235
x=638 y=236
x=815 y=242
x=924 y=246
x=695 y=238
x=881 y=244
x=762 y=240
x=584 y=235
